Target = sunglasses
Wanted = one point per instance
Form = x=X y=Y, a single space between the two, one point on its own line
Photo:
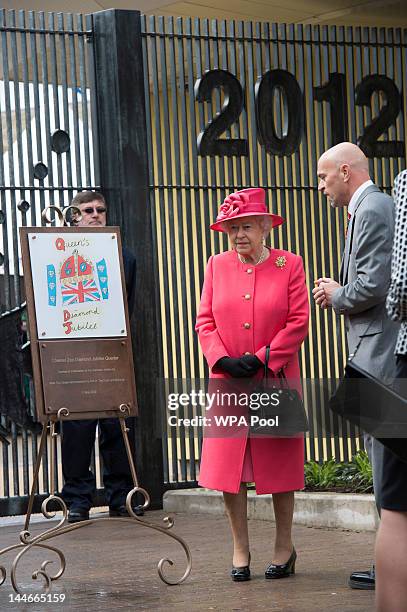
x=99 y=209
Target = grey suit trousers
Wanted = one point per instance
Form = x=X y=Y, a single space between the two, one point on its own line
x=365 y=279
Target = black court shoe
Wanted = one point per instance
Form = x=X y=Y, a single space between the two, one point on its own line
x=241 y=574
x=284 y=570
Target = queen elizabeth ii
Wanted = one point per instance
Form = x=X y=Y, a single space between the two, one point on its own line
x=253 y=297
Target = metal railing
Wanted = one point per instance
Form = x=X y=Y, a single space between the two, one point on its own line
x=48 y=152
x=318 y=85
x=233 y=105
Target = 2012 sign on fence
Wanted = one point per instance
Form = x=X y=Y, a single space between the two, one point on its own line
x=334 y=92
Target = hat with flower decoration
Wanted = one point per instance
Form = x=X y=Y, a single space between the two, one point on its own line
x=245 y=203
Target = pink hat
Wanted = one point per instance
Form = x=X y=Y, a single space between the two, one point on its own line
x=244 y=203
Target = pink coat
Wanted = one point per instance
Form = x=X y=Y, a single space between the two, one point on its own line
x=243 y=308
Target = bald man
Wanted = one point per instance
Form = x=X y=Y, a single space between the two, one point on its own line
x=360 y=296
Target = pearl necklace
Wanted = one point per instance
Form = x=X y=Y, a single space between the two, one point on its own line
x=259 y=261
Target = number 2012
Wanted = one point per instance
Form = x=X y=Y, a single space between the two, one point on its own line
x=334 y=92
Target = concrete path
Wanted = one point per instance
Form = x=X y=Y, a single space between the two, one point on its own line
x=112 y=567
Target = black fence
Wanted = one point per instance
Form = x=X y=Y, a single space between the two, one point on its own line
x=225 y=106
x=48 y=152
x=234 y=105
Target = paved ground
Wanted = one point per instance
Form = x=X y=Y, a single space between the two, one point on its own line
x=112 y=567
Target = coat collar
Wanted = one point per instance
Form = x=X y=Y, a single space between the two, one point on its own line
x=371 y=189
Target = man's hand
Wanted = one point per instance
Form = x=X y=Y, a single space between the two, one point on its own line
x=324 y=290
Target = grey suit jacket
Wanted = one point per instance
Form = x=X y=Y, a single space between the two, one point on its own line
x=365 y=279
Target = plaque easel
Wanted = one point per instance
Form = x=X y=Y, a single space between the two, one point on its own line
x=49 y=387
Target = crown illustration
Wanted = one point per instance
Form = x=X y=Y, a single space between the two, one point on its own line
x=75 y=268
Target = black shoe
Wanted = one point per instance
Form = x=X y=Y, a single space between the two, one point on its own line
x=284 y=570
x=363 y=580
x=122 y=511
x=241 y=574
x=76 y=516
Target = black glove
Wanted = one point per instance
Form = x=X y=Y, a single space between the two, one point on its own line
x=237 y=368
x=252 y=362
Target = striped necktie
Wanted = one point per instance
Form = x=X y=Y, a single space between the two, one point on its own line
x=346 y=231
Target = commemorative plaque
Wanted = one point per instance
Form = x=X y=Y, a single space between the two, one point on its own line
x=82 y=365
x=78 y=322
x=83 y=375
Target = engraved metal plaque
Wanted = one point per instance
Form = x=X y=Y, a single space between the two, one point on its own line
x=85 y=378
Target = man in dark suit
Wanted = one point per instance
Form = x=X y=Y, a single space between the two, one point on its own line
x=360 y=297
x=78 y=437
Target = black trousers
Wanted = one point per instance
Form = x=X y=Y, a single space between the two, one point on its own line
x=78 y=439
x=394 y=476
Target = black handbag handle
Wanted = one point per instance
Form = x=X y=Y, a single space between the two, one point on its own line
x=266 y=362
x=283 y=379
x=280 y=374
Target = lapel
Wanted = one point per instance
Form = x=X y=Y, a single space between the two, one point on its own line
x=341 y=271
x=343 y=275
x=345 y=258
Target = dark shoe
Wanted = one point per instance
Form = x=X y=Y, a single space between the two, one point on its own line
x=363 y=580
x=284 y=570
x=241 y=574
x=76 y=516
x=122 y=511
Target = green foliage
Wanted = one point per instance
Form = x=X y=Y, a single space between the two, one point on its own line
x=358 y=474
x=321 y=476
x=361 y=460
x=355 y=477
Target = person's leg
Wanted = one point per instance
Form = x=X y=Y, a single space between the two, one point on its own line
x=391 y=566
x=117 y=478
x=78 y=438
x=236 y=509
x=283 y=511
x=365 y=579
x=391 y=541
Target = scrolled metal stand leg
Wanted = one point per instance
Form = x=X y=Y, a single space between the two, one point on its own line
x=35 y=475
x=132 y=466
x=169 y=521
x=28 y=542
x=43 y=439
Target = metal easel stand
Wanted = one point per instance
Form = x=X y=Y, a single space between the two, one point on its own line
x=29 y=542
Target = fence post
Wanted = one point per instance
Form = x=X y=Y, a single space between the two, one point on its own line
x=122 y=135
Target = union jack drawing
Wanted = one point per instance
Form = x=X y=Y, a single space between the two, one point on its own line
x=79 y=292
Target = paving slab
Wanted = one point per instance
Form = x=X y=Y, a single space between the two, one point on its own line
x=111 y=566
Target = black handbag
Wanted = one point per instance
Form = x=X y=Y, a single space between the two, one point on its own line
x=275 y=409
x=376 y=408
